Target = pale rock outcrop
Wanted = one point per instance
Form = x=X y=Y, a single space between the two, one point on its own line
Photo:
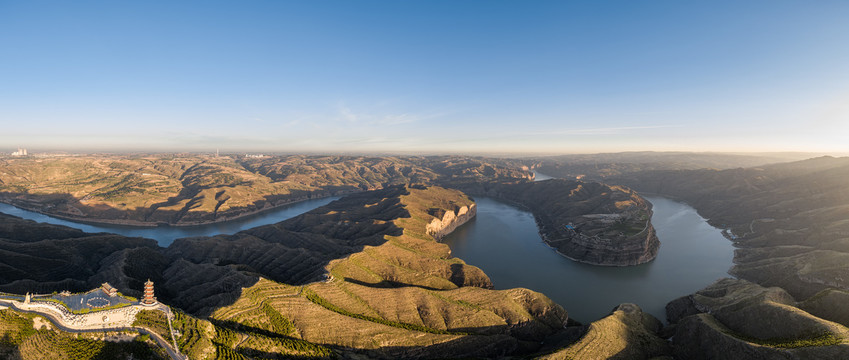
x=439 y=228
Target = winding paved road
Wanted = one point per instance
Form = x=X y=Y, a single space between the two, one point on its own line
x=61 y=324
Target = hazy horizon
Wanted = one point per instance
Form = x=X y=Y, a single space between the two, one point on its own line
x=781 y=156
x=490 y=77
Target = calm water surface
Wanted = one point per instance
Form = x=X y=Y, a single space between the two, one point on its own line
x=504 y=242
x=165 y=235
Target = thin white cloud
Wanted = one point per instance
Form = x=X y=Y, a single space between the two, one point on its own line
x=600 y=131
x=344 y=113
x=396 y=119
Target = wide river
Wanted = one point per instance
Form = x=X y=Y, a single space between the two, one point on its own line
x=165 y=235
x=504 y=242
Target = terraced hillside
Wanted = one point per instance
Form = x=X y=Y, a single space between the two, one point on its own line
x=405 y=296
x=627 y=333
x=27 y=336
x=191 y=189
x=38 y=257
x=202 y=339
x=739 y=319
x=789 y=222
x=363 y=273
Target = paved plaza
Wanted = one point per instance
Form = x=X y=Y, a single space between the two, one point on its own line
x=92 y=300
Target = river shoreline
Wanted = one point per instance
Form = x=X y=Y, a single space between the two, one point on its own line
x=145 y=224
x=504 y=242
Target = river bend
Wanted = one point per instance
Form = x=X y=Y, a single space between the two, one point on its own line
x=504 y=241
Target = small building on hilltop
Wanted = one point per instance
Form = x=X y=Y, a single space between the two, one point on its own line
x=108 y=289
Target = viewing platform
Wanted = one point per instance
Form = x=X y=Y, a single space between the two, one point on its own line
x=101 y=309
x=97 y=309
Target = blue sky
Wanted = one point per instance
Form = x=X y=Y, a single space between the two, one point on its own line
x=435 y=76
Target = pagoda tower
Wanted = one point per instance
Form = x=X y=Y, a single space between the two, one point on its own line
x=148 y=298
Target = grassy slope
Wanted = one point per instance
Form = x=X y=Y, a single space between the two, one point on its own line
x=404 y=296
x=19 y=340
x=739 y=317
x=627 y=333
x=398 y=296
x=789 y=219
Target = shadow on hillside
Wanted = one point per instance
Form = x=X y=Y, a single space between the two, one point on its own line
x=387 y=284
x=484 y=342
x=487 y=343
x=201 y=274
x=198 y=274
x=8 y=347
x=67 y=206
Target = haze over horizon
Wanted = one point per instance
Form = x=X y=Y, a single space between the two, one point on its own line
x=371 y=76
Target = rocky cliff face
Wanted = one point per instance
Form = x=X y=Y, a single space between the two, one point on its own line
x=439 y=228
x=613 y=251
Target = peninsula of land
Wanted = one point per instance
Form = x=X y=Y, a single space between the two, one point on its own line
x=367 y=262
x=587 y=222
x=365 y=276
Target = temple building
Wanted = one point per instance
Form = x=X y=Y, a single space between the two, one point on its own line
x=108 y=289
x=148 y=298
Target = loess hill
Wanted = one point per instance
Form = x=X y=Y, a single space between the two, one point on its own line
x=190 y=189
x=601 y=166
x=365 y=277
x=790 y=223
x=606 y=225
x=360 y=275
x=29 y=336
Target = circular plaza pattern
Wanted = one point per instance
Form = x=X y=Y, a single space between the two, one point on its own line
x=97 y=302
